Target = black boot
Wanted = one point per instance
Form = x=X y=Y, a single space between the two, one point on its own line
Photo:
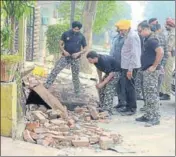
x=142 y=119
x=165 y=97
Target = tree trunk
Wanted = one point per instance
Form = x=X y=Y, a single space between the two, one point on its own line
x=88 y=20
x=12 y=46
x=72 y=12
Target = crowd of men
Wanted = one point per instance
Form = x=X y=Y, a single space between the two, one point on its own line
x=139 y=67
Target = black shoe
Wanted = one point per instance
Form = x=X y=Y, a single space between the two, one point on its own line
x=142 y=119
x=128 y=113
x=124 y=110
x=140 y=98
x=165 y=97
x=121 y=109
x=119 y=106
x=160 y=94
x=142 y=109
x=152 y=123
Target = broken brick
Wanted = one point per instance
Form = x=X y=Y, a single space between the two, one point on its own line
x=58 y=122
x=34 y=135
x=46 y=141
x=87 y=118
x=40 y=130
x=105 y=143
x=54 y=114
x=64 y=128
x=82 y=142
x=79 y=110
x=93 y=113
x=59 y=138
x=94 y=139
x=33 y=125
x=71 y=122
x=39 y=116
x=27 y=137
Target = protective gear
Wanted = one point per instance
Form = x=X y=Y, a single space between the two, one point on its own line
x=123 y=24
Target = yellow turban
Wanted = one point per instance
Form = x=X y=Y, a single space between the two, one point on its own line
x=123 y=24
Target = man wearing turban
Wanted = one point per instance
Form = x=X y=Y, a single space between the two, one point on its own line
x=130 y=63
x=166 y=85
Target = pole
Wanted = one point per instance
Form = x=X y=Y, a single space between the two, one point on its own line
x=72 y=12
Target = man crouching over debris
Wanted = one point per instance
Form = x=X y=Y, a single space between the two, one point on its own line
x=70 y=44
x=107 y=84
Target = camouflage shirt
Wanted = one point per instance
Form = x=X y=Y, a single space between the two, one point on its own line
x=171 y=41
x=163 y=43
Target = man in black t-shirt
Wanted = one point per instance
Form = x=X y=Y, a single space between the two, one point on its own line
x=150 y=60
x=107 y=84
x=72 y=45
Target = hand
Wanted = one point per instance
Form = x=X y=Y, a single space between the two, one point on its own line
x=76 y=55
x=151 y=69
x=129 y=75
x=162 y=70
x=99 y=85
x=65 y=53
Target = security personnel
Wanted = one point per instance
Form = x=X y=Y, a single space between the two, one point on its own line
x=107 y=84
x=150 y=60
x=71 y=43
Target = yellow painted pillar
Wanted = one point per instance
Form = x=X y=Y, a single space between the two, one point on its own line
x=8 y=109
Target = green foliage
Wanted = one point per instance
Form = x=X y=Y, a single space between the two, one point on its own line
x=105 y=11
x=5 y=37
x=53 y=35
x=11 y=59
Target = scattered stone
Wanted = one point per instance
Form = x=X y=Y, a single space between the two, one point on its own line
x=71 y=122
x=46 y=141
x=79 y=110
x=33 y=107
x=42 y=108
x=27 y=137
x=94 y=139
x=39 y=116
x=32 y=125
x=34 y=135
x=93 y=113
x=47 y=125
x=40 y=130
x=54 y=114
x=105 y=143
x=82 y=142
x=64 y=128
x=58 y=122
x=87 y=118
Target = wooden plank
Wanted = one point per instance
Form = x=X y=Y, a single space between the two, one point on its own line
x=52 y=101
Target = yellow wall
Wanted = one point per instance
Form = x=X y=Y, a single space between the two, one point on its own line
x=8 y=109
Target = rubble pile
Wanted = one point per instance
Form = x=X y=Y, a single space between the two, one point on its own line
x=47 y=127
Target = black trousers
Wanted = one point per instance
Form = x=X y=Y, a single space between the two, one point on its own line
x=127 y=90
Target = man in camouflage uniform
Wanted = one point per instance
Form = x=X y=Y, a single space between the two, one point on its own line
x=166 y=86
x=150 y=60
x=107 y=84
x=163 y=43
x=70 y=44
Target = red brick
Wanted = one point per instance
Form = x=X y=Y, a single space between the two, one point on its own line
x=33 y=125
x=71 y=122
x=105 y=143
x=46 y=141
x=27 y=137
x=82 y=142
x=93 y=112
x=34 y=135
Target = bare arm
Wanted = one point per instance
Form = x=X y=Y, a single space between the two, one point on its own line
x=159 y=56
x=83 y=50
x=61 y=45
x=108 y=78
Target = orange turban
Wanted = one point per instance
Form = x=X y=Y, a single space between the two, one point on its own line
x=123 y=24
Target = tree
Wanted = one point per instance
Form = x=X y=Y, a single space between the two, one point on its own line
x=72 y=12
x=14 y=10
x=88 y=21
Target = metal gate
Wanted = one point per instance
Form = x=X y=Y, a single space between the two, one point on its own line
x=30 y=35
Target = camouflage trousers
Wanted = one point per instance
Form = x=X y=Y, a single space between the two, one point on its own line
x=151 y=95
x=59 y=66
x=138 y=84
x=166 y=84
x=108 y=92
